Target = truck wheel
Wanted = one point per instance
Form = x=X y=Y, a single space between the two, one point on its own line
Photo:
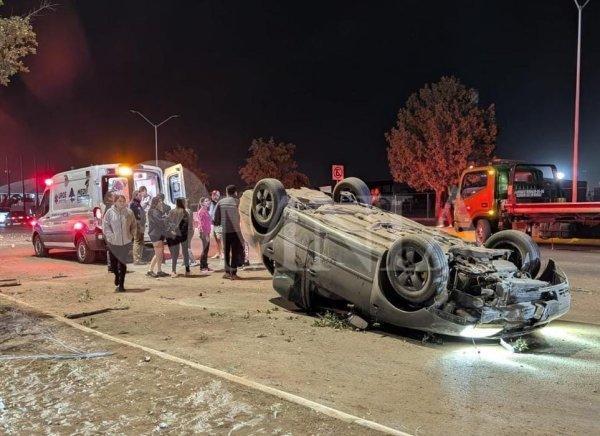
x=39 y=247
x=417 y=268
x=525 y=253
x=354 y=186
x=483 y=230
x=268 y=201
x=84 y=253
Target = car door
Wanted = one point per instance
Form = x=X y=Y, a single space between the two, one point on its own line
x=174 y=183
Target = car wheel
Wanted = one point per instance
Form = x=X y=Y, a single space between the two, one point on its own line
x=525 y=253
x=417 y=268
x=84 y=253
x=268 y=201
x=483 y=230
x=39 y=247
x=353 y=186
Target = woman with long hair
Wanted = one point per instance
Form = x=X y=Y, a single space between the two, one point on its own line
x=179 y=224
x=156 y=231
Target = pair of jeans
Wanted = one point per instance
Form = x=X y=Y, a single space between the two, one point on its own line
x=205 y=246
x=233 y=251
x=138 y=243
x=117 y=255
x=174 y=250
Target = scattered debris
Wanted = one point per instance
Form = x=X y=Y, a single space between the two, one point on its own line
x=93 y=312
x=146 y=358
x=430 y=338
x=85 y=296
x=260 y=335
x=358 y=322
x=57 y=356
x=59 y=276
x=519 y=345
x=167 y=298
x=331 y=319
x=5 y=283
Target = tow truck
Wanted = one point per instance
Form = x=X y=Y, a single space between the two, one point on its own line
x=521 y=196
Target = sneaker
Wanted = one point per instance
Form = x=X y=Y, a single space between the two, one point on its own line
x=151 y=274
x=188 y=273
x=227 y=276
x=174 y=275
x=162 y=274
x=120 y=288
x=206 y=269
x=216 y=256
x=235 y=277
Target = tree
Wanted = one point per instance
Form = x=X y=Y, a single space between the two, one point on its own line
x=437 y=134
x=195 y=179
x=17 y=40
x=271 y=159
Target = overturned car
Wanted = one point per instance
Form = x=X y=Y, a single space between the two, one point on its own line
x=340 y=250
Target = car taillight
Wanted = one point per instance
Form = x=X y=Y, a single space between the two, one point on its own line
x=33 y=223
x=78 y=226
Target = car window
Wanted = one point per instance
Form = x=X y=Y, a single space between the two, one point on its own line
x=473 y=183
x=44 y=205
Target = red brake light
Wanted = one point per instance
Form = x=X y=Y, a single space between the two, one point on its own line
x=78 y=226
x=33 y=223
x=48 y=182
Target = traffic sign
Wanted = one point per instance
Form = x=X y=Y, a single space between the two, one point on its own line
x=337 y=172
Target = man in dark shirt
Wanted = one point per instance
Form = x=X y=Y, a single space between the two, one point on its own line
x=138 y=237
x=227 y=216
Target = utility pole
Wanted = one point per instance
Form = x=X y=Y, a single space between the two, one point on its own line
x=22 y=185
x=35 y=181
x=156 y=126
x=580 y=7
x=7 y=171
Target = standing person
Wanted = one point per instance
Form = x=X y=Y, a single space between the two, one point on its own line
x=217 y=232
x=164 y=206
x=145 y=198
x=138 y=236
x=204 y=230
x=109 y=200
x=228 y=216
x=179 y=222
x=119 y=226
x=157 y=229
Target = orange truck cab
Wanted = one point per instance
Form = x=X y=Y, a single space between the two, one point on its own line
x=521 y=196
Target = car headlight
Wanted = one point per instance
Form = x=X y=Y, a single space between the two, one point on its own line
x=480 y=331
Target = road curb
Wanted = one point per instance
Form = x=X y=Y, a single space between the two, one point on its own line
x=292 y=398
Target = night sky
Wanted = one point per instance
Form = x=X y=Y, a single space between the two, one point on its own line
x=328 y=76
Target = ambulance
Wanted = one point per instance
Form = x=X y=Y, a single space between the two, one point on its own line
x=70 y=213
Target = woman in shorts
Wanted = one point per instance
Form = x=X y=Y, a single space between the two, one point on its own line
x=156 y=231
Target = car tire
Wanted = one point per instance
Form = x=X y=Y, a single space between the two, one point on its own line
x=269 y=198
x=525 y=253
x=483 y=230
x=39 y=247
x=84 y=253
x=354 y=186
x=417 y=268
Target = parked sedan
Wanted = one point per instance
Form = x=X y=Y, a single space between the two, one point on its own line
x=343 y=252
x=15 y=218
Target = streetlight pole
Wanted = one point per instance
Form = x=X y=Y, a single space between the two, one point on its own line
x=580 y=7
x=156 y=126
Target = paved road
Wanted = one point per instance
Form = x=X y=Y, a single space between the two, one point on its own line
x=387 y=376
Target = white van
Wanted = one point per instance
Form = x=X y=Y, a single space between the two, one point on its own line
x=70 y=212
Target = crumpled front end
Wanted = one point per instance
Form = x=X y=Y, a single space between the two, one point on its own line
x=497 y=300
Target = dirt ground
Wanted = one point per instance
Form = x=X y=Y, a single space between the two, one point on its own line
x=127 y=392
x=385 y=375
